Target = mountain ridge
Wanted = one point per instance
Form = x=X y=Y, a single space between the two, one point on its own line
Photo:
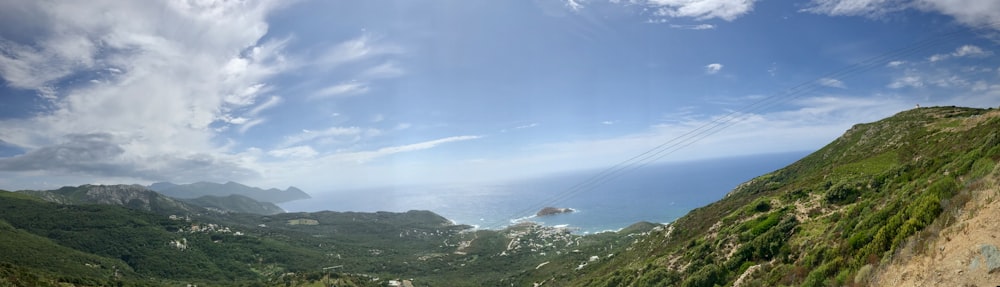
x=236 y=203
x=203 y=188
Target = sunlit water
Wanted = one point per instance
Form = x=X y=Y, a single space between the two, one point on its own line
x=656 y=193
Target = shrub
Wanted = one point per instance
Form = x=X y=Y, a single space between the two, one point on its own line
x=762 y=205
x=944 y=188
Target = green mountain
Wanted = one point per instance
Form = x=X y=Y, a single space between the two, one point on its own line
x=130 y=196
x=235 y=203
x=200 y=189
x=833 y=218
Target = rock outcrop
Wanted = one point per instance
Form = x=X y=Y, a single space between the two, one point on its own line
x=553 y=211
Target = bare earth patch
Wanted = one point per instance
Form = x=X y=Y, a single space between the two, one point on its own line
x=964 y=254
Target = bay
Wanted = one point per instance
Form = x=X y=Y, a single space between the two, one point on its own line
x=656 y=193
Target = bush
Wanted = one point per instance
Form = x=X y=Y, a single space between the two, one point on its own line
x=944 y=188
x=710 y=275
x=762 y=205
x=842 y=194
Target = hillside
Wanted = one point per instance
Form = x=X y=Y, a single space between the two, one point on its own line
x=879 y=194
x=199 y=189
x=130 y=196
x=235 y=203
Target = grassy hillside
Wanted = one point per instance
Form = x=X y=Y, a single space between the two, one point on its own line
x=829 y=219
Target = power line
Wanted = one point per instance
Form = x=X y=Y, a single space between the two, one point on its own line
x=736 y=116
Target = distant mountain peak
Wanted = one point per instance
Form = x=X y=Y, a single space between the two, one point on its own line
x=132 y=196
x=204 y=188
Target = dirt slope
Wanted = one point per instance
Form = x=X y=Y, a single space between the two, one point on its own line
x=965 y=253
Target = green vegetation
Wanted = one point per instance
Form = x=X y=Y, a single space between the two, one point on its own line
x=828 y=219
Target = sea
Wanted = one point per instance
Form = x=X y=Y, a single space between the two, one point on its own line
x=658 y=193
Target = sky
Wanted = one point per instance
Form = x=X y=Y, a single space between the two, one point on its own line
x=328 y=95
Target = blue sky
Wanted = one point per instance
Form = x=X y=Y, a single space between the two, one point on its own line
x=327 y=95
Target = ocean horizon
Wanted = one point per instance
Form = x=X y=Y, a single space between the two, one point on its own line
x=658 y=193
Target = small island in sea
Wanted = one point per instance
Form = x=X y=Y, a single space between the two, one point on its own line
x=552 y=211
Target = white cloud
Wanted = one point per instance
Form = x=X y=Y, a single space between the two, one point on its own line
x=417 y=146
x=963 y=51
x=868 y=8
x=363 y=157
x=727 y=10
x=953 y=81
x=833 y=83
x=360 y=168
x=297 y=152
x=342 y=89
x=384 y=70
x=713 y=68
x=270 y=103
x=308 y=135
x=161 y=88
x=249 y=124
x=360 y=48
x=574 y=5
x=693 y=27
x=527 y=126
x=970 y=51
x=906 y=81
x=938 y=57
x=969 y=12
x=894 y=64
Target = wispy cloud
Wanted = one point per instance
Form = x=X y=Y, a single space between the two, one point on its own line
x=963 y=51
x=421 y=145
x=574 y=5
x=831 y=82
x=713 y=68
x=906 y=81
x=969 y=12
x=244 y=127
x=970 y=51
x=360 y=48
x=343 y=133
x=385 y=70
x=867 y=8
x=693 y=27
x=362 y=157
x=527 y=126
x=296 y=152
x=270 y=103
x=342 y=89
x=727 y=10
